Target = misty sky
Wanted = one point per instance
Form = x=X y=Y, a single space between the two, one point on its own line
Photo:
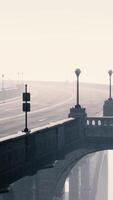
x=48 y=39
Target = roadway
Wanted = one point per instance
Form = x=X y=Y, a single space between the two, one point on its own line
x=49 y=103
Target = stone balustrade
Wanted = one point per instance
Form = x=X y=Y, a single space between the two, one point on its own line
x=99 y=121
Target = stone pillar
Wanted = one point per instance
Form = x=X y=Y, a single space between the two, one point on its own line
x=85 y=180
x=102 y=187
x=74 y=184
x=63 y=195
x=45 y=184
x=108 y=108
x=40 y=186
x=23 y=189
x=79 y=185
x=8 y=195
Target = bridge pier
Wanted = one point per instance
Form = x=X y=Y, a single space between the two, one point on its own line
x=102 y=184
x=74 y=184
x=79 y=186
x=85 y=177
x=8 y=195
x=23 y=189
x=45 y=183
x=40 y=186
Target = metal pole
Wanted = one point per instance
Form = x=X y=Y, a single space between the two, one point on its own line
x=2 y=82
x=110 y=87
x=26 y=129
x=22 y=78
x=77 y=90
x=18 y=78
x=77 y=72
x=110 y=74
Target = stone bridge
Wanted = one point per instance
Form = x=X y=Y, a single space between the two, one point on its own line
x=54 y=149
x=24 y=154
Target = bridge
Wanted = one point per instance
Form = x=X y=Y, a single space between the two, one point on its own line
x=57 y=146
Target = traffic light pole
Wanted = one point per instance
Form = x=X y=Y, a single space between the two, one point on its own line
x=26 y=129
x=26 y=106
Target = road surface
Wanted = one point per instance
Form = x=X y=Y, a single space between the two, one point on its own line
x=49 y=102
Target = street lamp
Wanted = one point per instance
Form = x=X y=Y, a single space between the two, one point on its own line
x=18 y=80
x=2 y=82
x=77 y=72
x=22 y=78
x=110 y=74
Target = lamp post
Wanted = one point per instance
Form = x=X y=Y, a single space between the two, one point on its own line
x=77 y=72
x=22 y=78
x=2 y=82
x=110 y=74
x=18 y=79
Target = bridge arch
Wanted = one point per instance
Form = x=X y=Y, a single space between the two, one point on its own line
x=63 y=167
x=71 y=160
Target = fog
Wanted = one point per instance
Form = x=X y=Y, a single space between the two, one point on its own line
x=47 y=40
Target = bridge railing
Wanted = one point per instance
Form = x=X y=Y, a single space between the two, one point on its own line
x=99 y=121
x=23 y=154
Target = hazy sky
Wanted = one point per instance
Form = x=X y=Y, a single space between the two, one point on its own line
x=48 y=39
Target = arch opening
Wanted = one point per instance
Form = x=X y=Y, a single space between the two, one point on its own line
x=90 y=178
